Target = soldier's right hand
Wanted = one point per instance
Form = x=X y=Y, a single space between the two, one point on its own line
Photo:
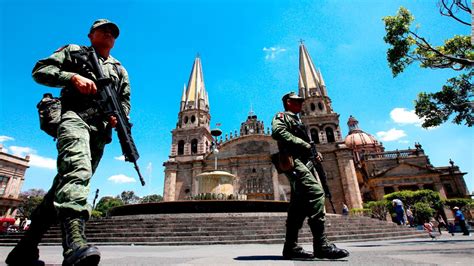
x=84 y=85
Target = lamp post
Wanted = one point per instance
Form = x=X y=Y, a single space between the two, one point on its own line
x=215 y=133
x=96 y=195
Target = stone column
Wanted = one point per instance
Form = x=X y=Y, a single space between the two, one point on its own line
x=349 y=182
x=276 y=183
x=170 y=185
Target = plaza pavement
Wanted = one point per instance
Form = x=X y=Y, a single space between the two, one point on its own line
x=446 y=250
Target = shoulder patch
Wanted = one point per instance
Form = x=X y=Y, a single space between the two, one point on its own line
x=61 y=48
x=280 y=115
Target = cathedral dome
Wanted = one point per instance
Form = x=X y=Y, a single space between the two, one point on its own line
x=357 y=138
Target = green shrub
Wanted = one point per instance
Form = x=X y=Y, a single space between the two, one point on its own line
x=378 y=209
x=360 y=212
x=422 y=212
x=96 y=214
x=464 y=204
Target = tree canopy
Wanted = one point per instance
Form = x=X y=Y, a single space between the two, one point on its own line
x=151 y=198
x=456 y=98
x=129 y=197
x=107 y=203
x=30 y=199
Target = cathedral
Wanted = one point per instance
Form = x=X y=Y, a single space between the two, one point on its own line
x=357 y=166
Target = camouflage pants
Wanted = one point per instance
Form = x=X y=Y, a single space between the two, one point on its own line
x=307 y=199
x=79 y=152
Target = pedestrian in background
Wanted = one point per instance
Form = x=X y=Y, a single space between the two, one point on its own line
x=459 y=217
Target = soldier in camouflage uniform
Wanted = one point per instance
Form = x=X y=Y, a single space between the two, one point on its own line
x=81 y=137
x=307 y=194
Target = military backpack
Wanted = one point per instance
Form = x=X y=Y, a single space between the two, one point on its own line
x=49 y=111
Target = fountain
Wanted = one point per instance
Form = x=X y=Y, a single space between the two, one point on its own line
x=215 y=195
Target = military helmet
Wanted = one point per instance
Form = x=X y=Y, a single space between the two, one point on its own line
x=103 y=22
x=291 y=95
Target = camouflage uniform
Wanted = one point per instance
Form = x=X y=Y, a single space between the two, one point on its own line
x=80 y=141
x=81 y=137
x=307 y=194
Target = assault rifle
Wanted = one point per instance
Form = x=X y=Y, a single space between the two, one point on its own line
x=318 y=166
x=109 y=105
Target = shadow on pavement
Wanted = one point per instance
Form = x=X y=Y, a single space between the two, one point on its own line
x=272 y=257
x=259 y=257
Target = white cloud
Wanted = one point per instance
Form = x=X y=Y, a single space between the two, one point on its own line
x=21 y=151
x=121 y=179
x=120 y=158
x=42 y=162
x=404 y=116
x=391 y=135
x=272 y=52
x=35 y=160
x=5 y=138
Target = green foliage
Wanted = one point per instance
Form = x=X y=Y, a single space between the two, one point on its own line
x=151 y=198
x=30 y=199
x=398 y=29
x=360 y=212
x=422 y=212
x=129 y=197
x=378 y=209
x=106 y=203
x=406 y=46
x=456 y=97
x=409 y=198
x=96 y=214
x=464 y=204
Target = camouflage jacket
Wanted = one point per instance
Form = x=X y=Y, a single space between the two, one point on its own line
x=58 y=69
x=290 y=133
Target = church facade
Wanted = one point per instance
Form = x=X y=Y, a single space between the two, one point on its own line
x=357 y=167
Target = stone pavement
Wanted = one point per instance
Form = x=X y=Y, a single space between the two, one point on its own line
x=446 y=250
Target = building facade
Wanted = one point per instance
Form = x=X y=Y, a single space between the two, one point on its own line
x=12 y=176
x=357 y=166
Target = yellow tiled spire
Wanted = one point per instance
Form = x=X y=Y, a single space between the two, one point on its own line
x=196 y=90
x=309 y=78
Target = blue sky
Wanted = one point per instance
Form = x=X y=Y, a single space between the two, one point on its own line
x=249 y=53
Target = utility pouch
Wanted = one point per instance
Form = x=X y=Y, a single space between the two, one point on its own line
x=49 y=111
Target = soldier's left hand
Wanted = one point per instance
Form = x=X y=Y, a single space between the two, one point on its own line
x=112 y=121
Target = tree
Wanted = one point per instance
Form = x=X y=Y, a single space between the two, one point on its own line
x=129 y=197
x=30 y=199
x=407 y=46
x=107 y=203
x=151 y=198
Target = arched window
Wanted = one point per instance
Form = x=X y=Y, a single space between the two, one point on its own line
x=313 y=107
x=193 y=119
x=320 y=106
x=185 y=119
x=330 y=134
x=181 y=147
x=194 y=146
x=314 y=135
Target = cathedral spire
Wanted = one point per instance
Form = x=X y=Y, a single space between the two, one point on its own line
x=310 y=80
x=195 y=95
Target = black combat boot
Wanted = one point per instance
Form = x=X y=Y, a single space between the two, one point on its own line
x=76 y=250
x=291 y=249
x=323 y=248
x=26 y=251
